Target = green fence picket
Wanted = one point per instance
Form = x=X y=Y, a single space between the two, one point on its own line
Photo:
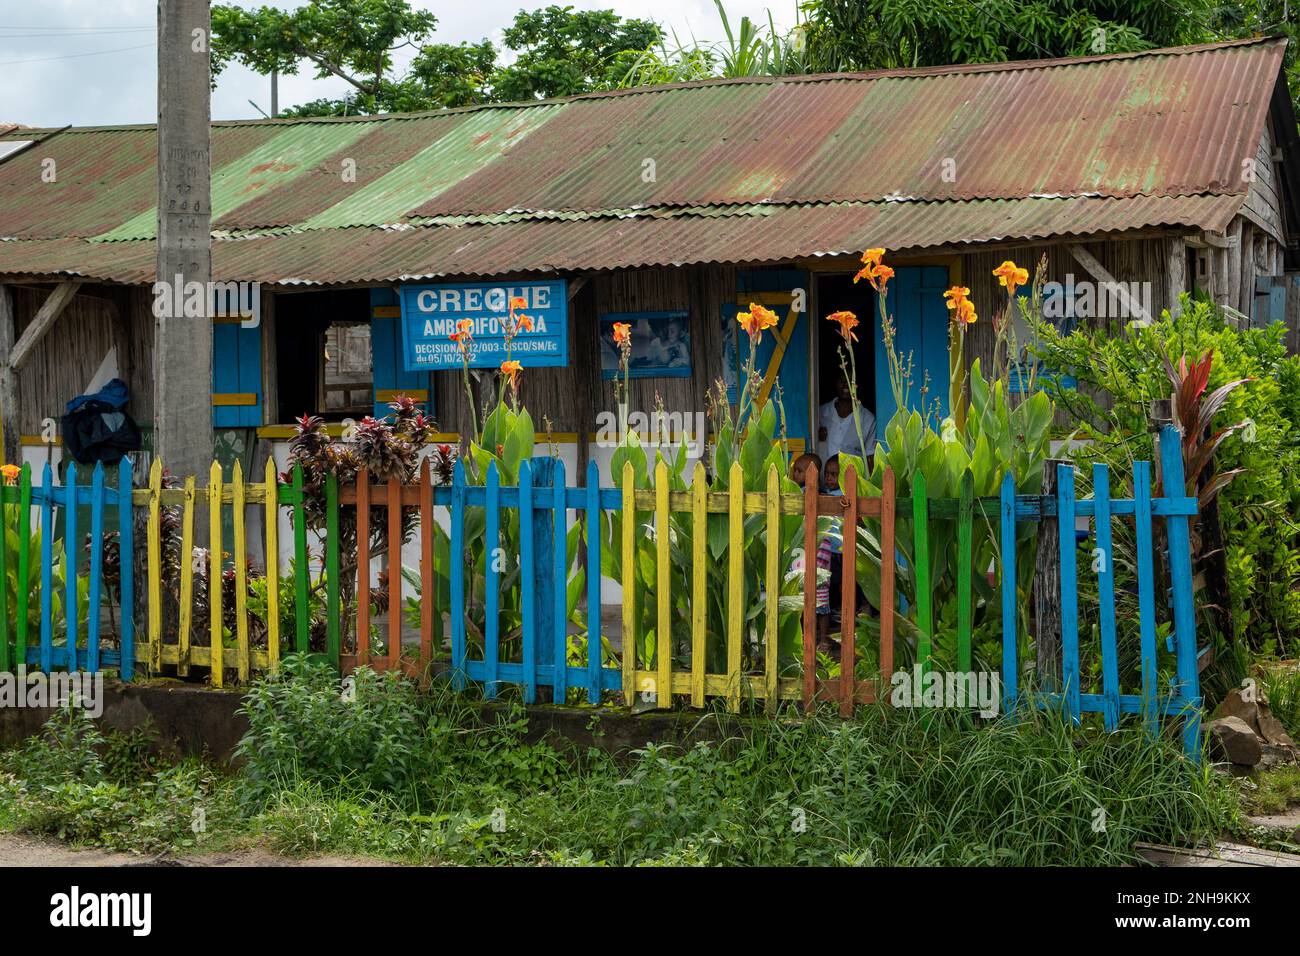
x=921 y=557
x=24 y=561
x=300 y=568
x=965 y=518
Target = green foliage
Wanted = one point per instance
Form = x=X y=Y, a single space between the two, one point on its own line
x=32 y=584
x=748 y=50
x=1119 y=372
x=879 y=790
x=304 y=726
x=888 y=34
x=758 y=447
x=73 y=783
x=1281 y=686
x=375 y=736
x=471 y=787
x=1000 y=437
x=552 y=51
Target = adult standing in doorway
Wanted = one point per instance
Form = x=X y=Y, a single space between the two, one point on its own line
x=837 y=433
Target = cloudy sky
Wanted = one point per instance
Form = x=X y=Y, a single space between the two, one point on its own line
x=91 y=62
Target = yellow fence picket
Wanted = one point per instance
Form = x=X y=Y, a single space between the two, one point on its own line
x=216 y=659
x=735 y=581
x=187 y=579
x=663 y=617
x=241 y=573
x=153 y=538
x=272 y=567
x=629 y=585
x=773 y=589
x=699 y=584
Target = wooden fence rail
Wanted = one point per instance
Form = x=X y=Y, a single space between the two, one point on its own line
x=508 y=552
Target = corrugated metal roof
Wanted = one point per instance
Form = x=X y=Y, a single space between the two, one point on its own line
x=767 y=233
x=758 y=169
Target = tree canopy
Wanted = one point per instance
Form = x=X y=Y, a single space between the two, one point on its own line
x=559 y=51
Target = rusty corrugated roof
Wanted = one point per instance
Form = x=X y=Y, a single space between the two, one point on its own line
x=759 y=169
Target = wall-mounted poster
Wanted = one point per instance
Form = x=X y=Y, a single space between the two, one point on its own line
x=661 y=344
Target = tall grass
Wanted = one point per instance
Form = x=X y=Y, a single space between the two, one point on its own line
x=891 y=787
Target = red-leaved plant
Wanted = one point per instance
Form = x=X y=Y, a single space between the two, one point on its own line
x=1193 y=413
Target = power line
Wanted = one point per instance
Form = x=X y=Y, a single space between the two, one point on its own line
x=72 y=56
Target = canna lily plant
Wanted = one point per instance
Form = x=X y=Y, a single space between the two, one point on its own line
x=754 y=438
x=986 y=435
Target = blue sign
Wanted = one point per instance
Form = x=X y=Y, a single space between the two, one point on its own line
x=431 y=313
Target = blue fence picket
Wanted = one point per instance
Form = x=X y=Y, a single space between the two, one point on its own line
x=95 y=592
x=492 y=602
x=593 y=584
x=559 y=590
x=47 y=568
x=1069 y=589
x=1187 y=694
x=70 y=610
x=1106 y=596
x=457 y=584
x=126 y=569
x=528 y=578
x=1146 y=593
x=1009 y=648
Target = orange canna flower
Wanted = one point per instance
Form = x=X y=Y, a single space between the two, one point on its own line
x=10 y=474
x=847 y=321
x=622 y=333
x=1010 y=276
x=756 y=320
x=465 y=327
x=874 y=270
x=962 y=308
x=524 y=322
x=518 y=302
x=512 y=370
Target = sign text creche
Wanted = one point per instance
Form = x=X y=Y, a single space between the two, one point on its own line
x=430 y=314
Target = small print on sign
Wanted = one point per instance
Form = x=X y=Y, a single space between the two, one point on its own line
x=431 y=313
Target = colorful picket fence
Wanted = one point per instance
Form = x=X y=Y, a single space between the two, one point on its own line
x=17 y=502
x=539 y=508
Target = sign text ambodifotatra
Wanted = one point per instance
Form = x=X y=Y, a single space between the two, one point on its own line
x=430 y=314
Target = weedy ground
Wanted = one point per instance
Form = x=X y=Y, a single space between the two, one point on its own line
x=394 y=774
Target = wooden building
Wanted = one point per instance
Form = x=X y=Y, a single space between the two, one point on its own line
x=673 y=206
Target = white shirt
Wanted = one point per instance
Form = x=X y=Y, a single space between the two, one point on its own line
x=842 y=434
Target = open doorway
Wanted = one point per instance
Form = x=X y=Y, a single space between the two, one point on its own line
x=836 y=293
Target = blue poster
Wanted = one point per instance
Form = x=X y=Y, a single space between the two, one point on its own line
x=431 y=313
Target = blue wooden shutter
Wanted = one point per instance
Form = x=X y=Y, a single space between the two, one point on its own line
x=920 y=317
x=236 y=375
x=390 y=377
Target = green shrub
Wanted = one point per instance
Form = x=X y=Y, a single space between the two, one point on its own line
x=1119 y=372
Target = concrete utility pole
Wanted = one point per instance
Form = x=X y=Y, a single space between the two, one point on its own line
x=182 y=339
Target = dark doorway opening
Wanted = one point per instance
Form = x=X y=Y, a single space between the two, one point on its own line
x=837 y=293
x=323 y=355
